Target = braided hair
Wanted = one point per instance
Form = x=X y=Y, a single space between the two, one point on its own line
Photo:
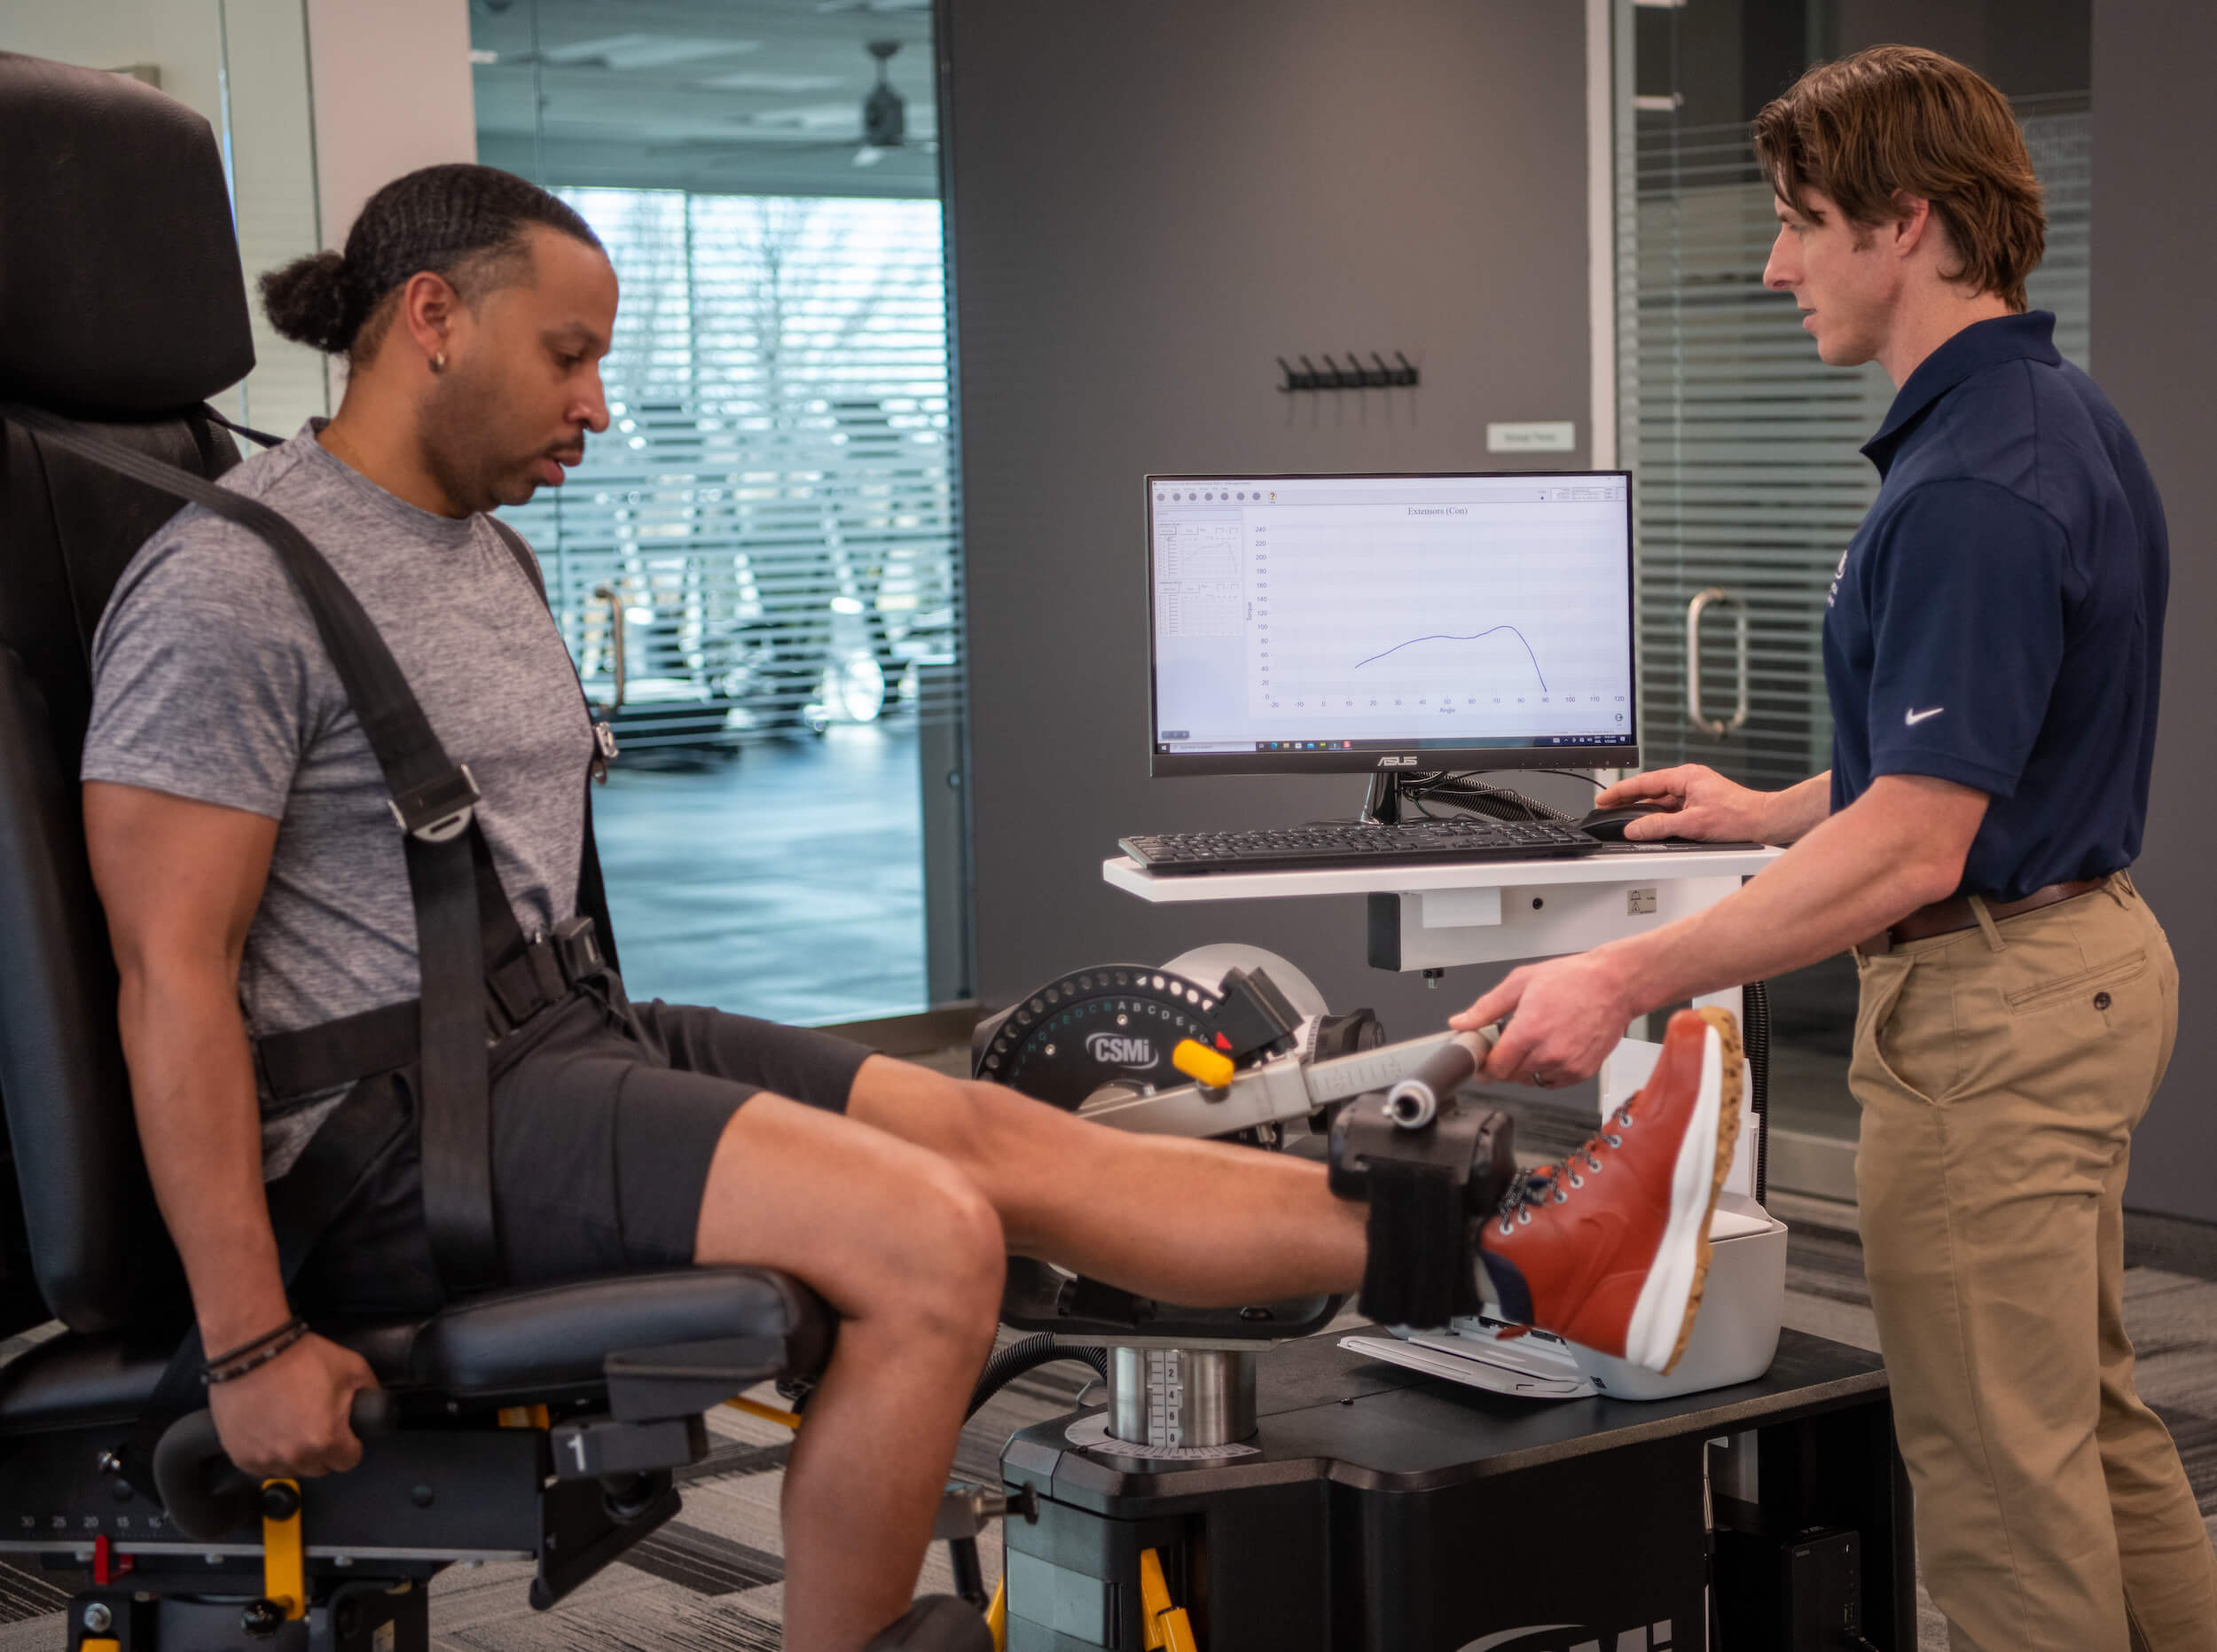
x=465 y=223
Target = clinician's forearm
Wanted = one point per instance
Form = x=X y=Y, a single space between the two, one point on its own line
x=1856 y=872
x=1798 y=811
x=192 y=1087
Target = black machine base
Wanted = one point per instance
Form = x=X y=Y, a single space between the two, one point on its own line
x=1382 y=1511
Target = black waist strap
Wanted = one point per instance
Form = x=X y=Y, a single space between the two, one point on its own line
x=339 y=1053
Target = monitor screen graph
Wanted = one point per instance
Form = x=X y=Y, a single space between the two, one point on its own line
x=1353 y=621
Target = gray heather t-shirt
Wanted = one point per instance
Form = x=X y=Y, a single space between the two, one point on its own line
x=210 y=682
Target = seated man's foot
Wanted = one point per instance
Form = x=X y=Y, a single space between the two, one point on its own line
x=1609 y=1248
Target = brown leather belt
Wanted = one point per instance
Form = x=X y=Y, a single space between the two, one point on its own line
x=1953 y=914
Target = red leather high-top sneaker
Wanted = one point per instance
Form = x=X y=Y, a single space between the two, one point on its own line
x=1609 y=1248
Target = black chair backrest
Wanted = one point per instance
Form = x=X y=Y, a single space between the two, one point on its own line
x=122 y=306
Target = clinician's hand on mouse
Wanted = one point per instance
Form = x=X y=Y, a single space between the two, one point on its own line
x=1697 y=802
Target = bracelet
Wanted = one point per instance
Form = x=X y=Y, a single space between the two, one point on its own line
x=254 y=1355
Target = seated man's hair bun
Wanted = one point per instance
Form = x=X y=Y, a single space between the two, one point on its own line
x=309 y=302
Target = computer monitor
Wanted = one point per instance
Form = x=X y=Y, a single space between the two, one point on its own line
x=1380 y=623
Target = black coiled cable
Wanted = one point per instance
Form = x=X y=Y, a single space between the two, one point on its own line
x=1029 y=1354
x=1755 y=1022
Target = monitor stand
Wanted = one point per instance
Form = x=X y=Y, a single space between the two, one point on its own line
x=1383 y=804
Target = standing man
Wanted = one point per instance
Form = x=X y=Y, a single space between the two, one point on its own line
x=1992 y=644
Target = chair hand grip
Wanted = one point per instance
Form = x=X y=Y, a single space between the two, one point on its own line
x=205 y=1495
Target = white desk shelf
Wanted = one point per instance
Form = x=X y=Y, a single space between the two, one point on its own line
x=1439 y=916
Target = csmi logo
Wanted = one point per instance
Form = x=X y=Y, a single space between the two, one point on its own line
x=1120 y=1049
x=1573 y=1638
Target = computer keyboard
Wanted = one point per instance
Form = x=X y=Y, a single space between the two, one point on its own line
x=1354 y=844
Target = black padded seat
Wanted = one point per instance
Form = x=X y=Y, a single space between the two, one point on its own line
x=546 y=1339
x=508 y=1347
x=74 y=1382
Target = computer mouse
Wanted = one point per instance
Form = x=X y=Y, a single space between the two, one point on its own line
x=1608 y=825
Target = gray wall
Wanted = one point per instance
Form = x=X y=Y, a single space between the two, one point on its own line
x=2028 y=48
x=1150 y=199
x=2155 y=338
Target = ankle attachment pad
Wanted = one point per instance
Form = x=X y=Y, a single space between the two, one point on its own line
x=1427 y=1187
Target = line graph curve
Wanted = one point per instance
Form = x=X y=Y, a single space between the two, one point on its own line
x=1472 y=637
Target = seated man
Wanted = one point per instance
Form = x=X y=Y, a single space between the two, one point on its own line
x=254 y=885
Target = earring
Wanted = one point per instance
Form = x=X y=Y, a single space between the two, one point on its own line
x=438 y=362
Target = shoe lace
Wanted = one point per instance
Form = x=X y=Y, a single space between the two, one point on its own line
x=1553 y=1183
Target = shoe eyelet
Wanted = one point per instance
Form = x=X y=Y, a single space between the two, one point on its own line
x=1505 y=1229
x=1614 y=1140
x=1560 y=1197
x=1576 y=1180
x=1523 y=1219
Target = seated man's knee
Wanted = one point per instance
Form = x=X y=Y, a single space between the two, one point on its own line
x=954 y=1259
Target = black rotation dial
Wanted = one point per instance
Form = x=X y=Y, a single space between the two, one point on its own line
x=1115 y=1024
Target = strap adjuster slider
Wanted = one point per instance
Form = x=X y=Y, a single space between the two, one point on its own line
x=438 y=811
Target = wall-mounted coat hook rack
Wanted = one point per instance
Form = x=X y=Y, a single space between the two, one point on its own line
x=1353 y=376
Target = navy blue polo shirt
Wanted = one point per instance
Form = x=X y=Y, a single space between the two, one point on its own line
x=1998 y=618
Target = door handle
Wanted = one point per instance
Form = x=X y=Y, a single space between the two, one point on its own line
x=1715 y=596
x=607 y=594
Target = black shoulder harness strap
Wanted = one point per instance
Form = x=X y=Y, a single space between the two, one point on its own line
x=463 y=927
x=593 y=893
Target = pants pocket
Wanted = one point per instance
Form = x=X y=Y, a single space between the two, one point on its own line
x=2031 y=1000
x=1869 y=1067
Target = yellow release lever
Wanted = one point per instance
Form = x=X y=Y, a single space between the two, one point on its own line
x=1202 y=1065
x=284 y=1561
x=1165 y=1627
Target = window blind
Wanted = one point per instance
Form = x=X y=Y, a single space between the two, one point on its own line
x=771 y=513
x=1749 y=476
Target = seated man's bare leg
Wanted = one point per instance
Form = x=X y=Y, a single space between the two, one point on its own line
x=1201 y=1223
x=910 y=1254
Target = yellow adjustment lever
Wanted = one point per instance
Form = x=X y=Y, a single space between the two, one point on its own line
x=1165 y=1627
x=1201 y=1064
x=284 y=1561
x=997 y=1617
x=768 y=1413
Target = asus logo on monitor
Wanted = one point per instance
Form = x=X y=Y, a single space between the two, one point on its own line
x=1397 y=762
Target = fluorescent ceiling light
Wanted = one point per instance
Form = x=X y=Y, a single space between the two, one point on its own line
x=646 y=51
x=770 y=81
x=815 y=117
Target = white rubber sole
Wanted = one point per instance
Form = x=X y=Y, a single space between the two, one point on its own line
x=1662 y=1318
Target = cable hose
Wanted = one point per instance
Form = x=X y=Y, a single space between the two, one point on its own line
x=1029 y=1354
x=1755 y=1002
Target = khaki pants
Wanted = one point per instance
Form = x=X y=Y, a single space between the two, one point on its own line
x=2001 y=1072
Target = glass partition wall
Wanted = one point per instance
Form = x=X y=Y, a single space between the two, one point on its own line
x=756 y=566
x=1749 y=477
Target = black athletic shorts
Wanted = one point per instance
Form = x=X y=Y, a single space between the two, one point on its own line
x=604 y=1117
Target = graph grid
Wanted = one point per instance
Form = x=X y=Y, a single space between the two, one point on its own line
x=1438 y=617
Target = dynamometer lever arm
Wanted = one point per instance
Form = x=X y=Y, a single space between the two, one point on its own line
x=1284 y=1088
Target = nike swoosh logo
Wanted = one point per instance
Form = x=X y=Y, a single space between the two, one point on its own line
x=1915 y=717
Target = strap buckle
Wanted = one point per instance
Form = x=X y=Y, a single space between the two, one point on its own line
x=604 y=748
x=578 y=943
x=439 y=810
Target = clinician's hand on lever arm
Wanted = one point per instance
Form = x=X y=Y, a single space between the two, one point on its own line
x=1899 y=846
x=1711 y=808
x=181 y=881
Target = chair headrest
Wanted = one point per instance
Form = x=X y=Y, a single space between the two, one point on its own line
x=119 y=287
